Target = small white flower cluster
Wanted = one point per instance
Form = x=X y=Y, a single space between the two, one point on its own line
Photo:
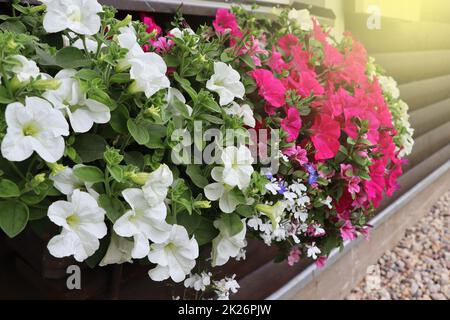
x=225 y=286
x=287 y=218
x=302 y=18
x=406 y=135
x=198 y=282
x=389 y=86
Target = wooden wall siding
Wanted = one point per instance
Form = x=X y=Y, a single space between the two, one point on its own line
x=430 y=117
x=415 y=65
x=437 y=89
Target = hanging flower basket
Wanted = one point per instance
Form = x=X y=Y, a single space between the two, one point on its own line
x=171 y=152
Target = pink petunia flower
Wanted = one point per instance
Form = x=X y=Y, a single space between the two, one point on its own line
x=276 y=61
x=287 y=42
x=321 y=261
x=292 y=124
x=348 y=231
x=270 y=88
x=151 y=25
x=226 y=22
x=298 y=154
x=294 y=256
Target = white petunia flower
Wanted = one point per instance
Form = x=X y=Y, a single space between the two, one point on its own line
x=244 y=112
x=226 y=83
x=302 y=19
x=226 y=246
x=25 y=69
x=175 y=258
x=66 y=183
x=198 y=282
x=313 y=251
x=172 y=95
x=34 y=127
x=82 y=222
x=127 y=39
x=143 y=222
x=178 y=33
x=70 y=100
x=80 y=16
x=221 y=191
x=238 y=168
x=157 y=185
x=149 y=72
x=119 y=251
x=147 y=68
x=389 y=85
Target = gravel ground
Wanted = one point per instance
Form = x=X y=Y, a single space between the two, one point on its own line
x=419 y=267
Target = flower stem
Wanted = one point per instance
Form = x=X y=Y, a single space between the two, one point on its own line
x=16 y=170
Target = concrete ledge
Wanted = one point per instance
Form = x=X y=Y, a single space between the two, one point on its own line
x=347 y=268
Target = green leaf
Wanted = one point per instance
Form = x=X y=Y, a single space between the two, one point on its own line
x=186 y=85
x=119 y=120
x=70 y=57
x=120 y=78
x=90 y=147
x=245 y=211
x=232 y=223
x=116 y=172
x=181 y=107
x=89 y=174
x=37 y=213
x=198 y=178
x=158 y=132
x=238 y=196
x=114 y=207
x=13 y=217
x=8 y=189
x=13 y=25
x=138 y=132
x=201 y=227
x=87 y=74
x=32 y=198
x=45 y=58
x=248 y=61
x=211 y=118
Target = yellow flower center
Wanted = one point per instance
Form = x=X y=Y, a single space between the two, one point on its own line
x=74 y=14
x=72 y=220
x=30 y=129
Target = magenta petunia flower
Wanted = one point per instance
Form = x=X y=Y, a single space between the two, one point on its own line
x=326 y=134
x=270 y=88
x=292 y=124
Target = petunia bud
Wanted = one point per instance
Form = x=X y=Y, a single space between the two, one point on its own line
x=51 y=84
x=37 y=180
x=125 y=22
x=56 y=168
x=202 y=204
x=274 y=213
x=140 y=178
x=133 y=88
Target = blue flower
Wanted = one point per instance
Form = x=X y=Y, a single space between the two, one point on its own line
x=283 y=188
x=269 y=175
x=312 y=174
